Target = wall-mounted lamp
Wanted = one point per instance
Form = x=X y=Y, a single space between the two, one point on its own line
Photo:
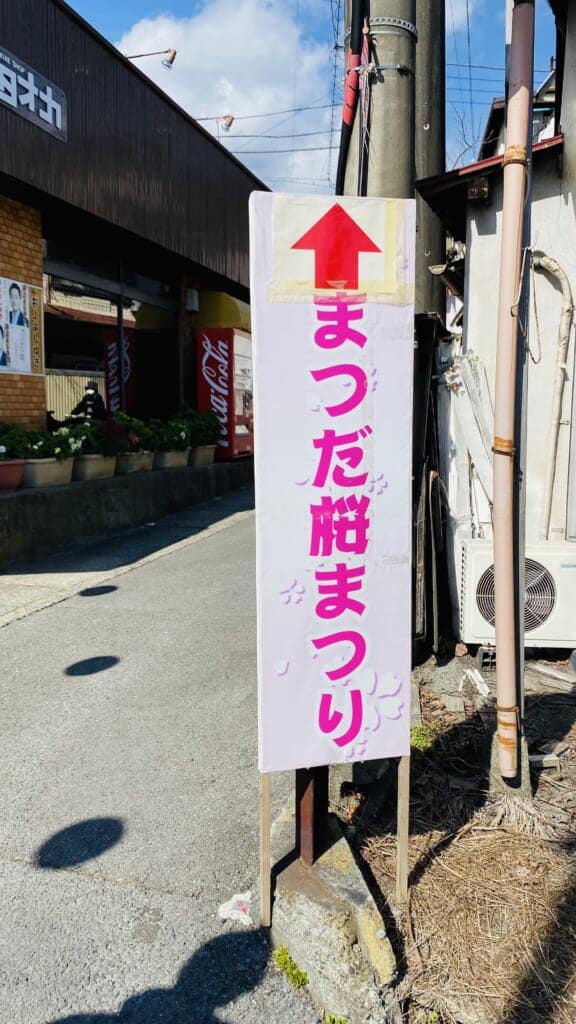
x=166 y=63
x=224 y=121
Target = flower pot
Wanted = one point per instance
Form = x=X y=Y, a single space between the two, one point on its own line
x=133 y=462
x=11 y=474
x=203 y=455
x=93 y=467
x=170 y=460
x=46 y=472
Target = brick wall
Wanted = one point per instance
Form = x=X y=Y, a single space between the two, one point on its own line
x=23 y=399
x=22 y=396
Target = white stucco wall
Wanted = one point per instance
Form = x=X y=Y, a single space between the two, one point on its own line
x=553 y=232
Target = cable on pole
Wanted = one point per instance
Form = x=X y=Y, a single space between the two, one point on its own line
x=351 y=89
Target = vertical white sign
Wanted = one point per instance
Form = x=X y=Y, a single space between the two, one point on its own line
x=21 y=327
x=333 y=324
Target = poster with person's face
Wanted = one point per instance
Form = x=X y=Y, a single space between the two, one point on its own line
x=21 y=327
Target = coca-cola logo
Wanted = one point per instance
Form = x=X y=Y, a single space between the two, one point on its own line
x=215 y=371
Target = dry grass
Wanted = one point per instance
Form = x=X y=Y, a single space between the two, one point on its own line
x=490 y=935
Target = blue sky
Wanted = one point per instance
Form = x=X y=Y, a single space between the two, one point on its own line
x=257 y=58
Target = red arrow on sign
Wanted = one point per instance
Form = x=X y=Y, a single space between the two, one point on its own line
x=337 y=241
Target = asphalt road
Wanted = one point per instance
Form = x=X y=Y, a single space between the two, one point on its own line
x=129 y=788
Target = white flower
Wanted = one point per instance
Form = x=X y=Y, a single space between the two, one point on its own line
x=57 y=451
x=63 y=431
x=2 y=450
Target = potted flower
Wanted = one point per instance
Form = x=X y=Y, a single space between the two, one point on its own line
x=13 y=448
x=50 y=458
x=171 y=445
x=203 y=431
x=101 y=442
x=139 y=452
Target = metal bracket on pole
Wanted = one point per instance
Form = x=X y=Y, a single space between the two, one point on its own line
x=387 y=23
x=404 y=26
x=403 y=69
x=502 y=446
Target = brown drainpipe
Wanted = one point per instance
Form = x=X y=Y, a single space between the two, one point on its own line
x=518 y=126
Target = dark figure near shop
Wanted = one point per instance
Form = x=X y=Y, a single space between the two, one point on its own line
x=92 y=405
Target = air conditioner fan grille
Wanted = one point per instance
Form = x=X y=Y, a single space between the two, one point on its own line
x=540 y=595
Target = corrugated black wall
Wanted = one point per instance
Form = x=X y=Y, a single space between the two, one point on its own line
x=132 y=157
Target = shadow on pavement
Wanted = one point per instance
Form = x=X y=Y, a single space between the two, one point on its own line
x=80 y=842
x=132 y=545
x=221 y=971
x=97 y=591
x=90 y=666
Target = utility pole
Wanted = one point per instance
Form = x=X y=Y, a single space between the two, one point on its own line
x=521 y=434
x=397 y=136
x=430 y=142
x=406 y=122
x=507 y=506
x=390 y=162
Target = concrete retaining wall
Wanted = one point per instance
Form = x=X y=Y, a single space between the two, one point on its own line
x=37 y=522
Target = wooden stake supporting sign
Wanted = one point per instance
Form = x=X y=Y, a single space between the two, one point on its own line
x=402 y=830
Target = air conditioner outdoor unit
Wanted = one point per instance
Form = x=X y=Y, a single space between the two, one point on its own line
x=550 y=608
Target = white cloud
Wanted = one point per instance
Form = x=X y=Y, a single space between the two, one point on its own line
x=247 y=57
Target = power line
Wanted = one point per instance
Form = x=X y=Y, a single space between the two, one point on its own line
x=458 y=64
x=301 y=181
x=490 y=67
x=480 y=92
x=477 y=103
x=487 y=78
x=335 y=10
x=284 y=120
x=469 y=48
x=273 y=113
x=261 y=152
x=289 y=135
x=295 y=81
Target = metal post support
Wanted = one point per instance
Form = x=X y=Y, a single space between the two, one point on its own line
x=265 y=857
x=311 y=812
x=403 y=831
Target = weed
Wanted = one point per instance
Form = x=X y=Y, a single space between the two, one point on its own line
x=332 y=1019
x=284 y=962
x=422 y=737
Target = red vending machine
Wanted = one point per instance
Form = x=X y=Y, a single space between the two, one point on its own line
x=224 y=374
